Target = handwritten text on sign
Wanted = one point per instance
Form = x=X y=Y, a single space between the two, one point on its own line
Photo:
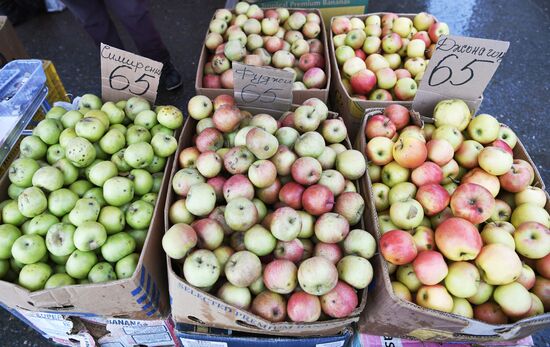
x=262 y=87
x=124 y=74
x=462 y=67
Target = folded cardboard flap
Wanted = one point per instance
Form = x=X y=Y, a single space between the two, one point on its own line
x=194 y=306
x=299 y=96
x=386 y=314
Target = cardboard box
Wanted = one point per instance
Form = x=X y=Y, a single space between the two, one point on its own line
x=191 y=336
x=299 y=96
x=191 y=305
x=386 y=314
x=353 y=109
x=10 y=46
x=328 y=8
x=142 y=296
x=364 y=340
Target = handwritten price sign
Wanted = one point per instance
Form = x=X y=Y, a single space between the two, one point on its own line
x=262 y=87
x=124 y=74
x=460 y=67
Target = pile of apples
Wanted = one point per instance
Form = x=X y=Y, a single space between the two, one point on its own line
x=83 y=191
x=461 y=226
x=284 y=39
x=384 y=59
x=267 y=216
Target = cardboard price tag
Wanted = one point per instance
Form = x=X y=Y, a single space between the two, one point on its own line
x=124 y=74
x=461 y=67
x=262 y=88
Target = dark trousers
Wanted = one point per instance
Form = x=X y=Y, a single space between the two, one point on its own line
x=133 y=14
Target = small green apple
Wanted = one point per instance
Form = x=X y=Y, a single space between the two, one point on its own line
x=80 y=152
x=126 y=266
x=59 y=280
x=102 y=272
x=69 y=119
x=170 y=116
x=113 y=141
x=21 y=171
x=85 y=210
x=41 y=223
x=55 y=153
x=8 y=235
x=90 y=101
x=48 y=178
x=48 y=130
x=139 y=214
x=32 y=147
x=118 y=191
x=34 y=276
x=59 y=239
x=115 y=114
x=28 y=249
x=137 y=133
x=139 y=155
x=32 y=202
x=118 y=246
x=80 y=263
x=112 y=218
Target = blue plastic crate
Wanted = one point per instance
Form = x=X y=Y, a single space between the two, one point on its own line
x=21 y=81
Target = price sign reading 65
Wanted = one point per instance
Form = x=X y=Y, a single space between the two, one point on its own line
x=124 y=74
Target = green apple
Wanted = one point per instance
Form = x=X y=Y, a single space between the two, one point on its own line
x=28 y=249
x=164 y=145
x=15 y=265
x=56 y=112
x=32 y=147
x=34 y=276
x=118 y=160
x=139 y=214
x=85 y=210
x=59 y=239
x=14 y=191
x=112 y=218
x=139 y=155
x=90 y=101
x=89 y=236
x=70 y=173
x=48 y=131
x=41 y=223
x=49 y=178
x=4 y=268
x=157 y=164
x=80 y=187
x=137 y=133
x=146 y=118
x=32 y=202
x=157 y=182
x=513 y=298
x=170 y=116
x=118 y=191
x=484 y=129
x=115 y=114
x=12 y=215
x=139 y=237
x=21 y=171
x=406 y=214
x=529 y=212
x=201 y=199
x=161 y=129
x=101 y=172
x=8 y=235
x=118 y=246
x=126 y=266
x=135 y=105
x=120 y=128
x=99 y=153
x=99 y=115
x=69 y=119
x=102 y=272
x=55 y=153
x=96 y=193
x=59 y=260
x=80 y=263
x=113 y=141
x=452 y=112
x=150 y=198
x=259 y=240
x=143 y=181
x=59 y=280
x=66 y=136
x=61 y=201
x=80 y=152
x=121 y=104
x=90 y=128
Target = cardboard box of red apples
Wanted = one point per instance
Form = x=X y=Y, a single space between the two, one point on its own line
x=461 y=216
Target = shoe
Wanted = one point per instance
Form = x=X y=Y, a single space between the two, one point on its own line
x=171 y=76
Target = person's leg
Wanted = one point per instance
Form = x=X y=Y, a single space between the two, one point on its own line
x=96 y=21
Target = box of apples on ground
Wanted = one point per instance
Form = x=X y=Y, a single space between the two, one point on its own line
x=461 y=217
x=264 y=221
x=290 y=39
x=379 y=59
x=80 y=213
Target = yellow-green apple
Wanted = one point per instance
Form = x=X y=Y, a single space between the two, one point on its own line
x=262 y=173
x=306 y=170
x=398 y=114
x=261 y=143
x=331 y=227
x=439 y=151
x=427 y=130
x=178 y=240
x=309 y=144
x=360 y=242
x=537 y=307
x=353 y=66
x=413 y=131
x=386 y=78
x=530 y=213
x=351 y=164
x=380 y=193
x=484 y=293
x=405 y=275
x=501 y=212
x=402 y=26
x=270 y=306
x=343 y=53
x=259 y=240
x=317 y=199
x=467 y=154
x=236 y=296
x=405 y=88
x=498 y=264
x=527 y=277
x=442 y=216
x=416 y=66
x=375 y=62
x=532 y=195
x=280 y=276
x=385 y=224
x=402 y=191
x=333 y=130
x=435 y=297
x=303 y=307
x=427 y=173
x=401 y=291
x=453 y=112
x=450 y=187
x=458 y=239
x=243 y=268
x=340 y=301
x=513 y=298
x=416 y=48
x=340 y=25
x=542 y=290
x=407 y=214
x=380 y=125
x=518 y=178
x=450 y=134
x=372 y=44
x=462 y=307
x=394 y=59
x=484 y=128
x=424 y=238
x=463 y=279
x=507 y=135
x=490 y=312
x=472 y=202
x=410 y=152
x=492 y=234
x=350 y=205
x=240 y=214
x=495 y=160
x=333 y=180
x=209 y=164
x=450 y=172
x=423 y=21
x=392 y=174
x=430 y=267
x=543 y=266
x=285 y=224
x=374 y=172
x=379 y=150
x=355 y=271
x=317 y=275
x=433 y=198
x=201 y=268
x=398 y=247
x=391 y=43
x=482 y=178
x=188 y=157
x=532 y=240
x=355 y=38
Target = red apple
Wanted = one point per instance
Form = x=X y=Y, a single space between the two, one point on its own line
x=303 y=307
x=440 y=151
x=398 y=247
x=380 y=125
x=433 y=198
x=317 y=199
x=427 y=173
x=398 y=114
x=472 y=202
x=410 y=152
x=543 y=266
x=458 y=239
x=491 y=313
x=331 y=251
x=270 y=306
x=291 y=195
x=363 y=82
x=430 y=267
x=519 y=177
x=340 y=301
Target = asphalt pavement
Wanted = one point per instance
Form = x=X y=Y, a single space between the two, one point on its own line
x=517 y=95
